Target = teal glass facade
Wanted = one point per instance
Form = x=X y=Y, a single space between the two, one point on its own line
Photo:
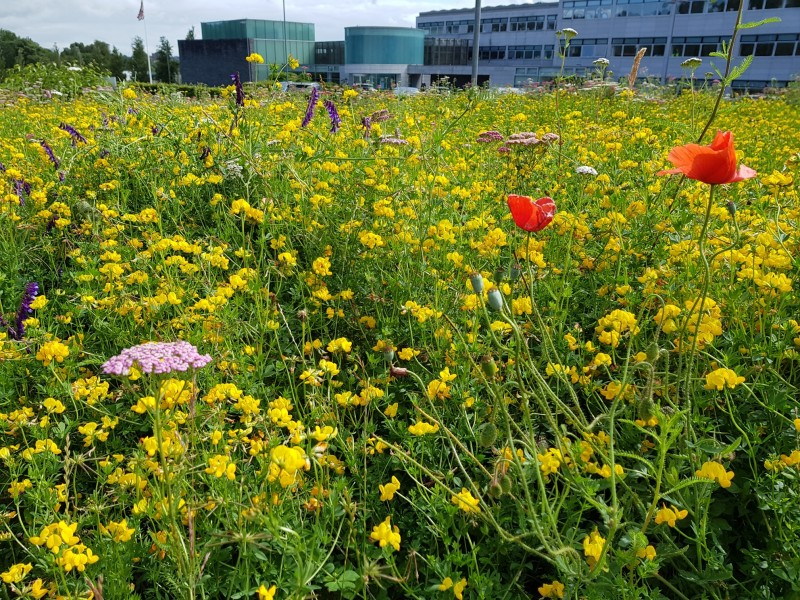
x=384 y=45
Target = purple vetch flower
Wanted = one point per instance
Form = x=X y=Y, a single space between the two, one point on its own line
x=237 y=83
x=157 y=358
x=76 y=136
x=312 y=104
x=24 y=311
x=367 y=123
x=336 y=122
x=50 y=154
x=22 y=188
x=2 y=168
x=104 y=153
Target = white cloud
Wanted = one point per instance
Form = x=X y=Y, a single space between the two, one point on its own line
x=61 y=22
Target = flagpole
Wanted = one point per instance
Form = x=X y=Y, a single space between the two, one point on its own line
x=140 y=16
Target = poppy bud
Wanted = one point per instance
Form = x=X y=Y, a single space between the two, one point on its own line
x=488 y=366
x=652 y=352
x=487 y=434
x=398 y=372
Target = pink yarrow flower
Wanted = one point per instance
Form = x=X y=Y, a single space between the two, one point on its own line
x=156 y=357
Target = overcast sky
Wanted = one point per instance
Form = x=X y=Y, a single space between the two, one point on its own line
x=62 y=22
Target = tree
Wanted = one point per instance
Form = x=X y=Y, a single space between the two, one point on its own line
x=138 y=64
x=166 y=68
x=190 y=34
x=118 y=64
x=15 y=50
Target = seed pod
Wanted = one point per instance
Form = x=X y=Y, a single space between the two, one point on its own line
x=495 y=299
x=487 y=434
x=476 y=279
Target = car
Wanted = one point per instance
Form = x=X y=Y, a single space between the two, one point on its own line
x=401 y=90
x=298 y=86
x=364 y=87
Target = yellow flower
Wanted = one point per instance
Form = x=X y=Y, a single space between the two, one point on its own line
x=255 y=58
x=722 y=378
x=446 y=584
x=466 y=501
x=550 y=461
x=391 y=410
x=670 y=515
x=293 y=62
x=593 y=545
x=552 y=590
x=340 y=345
x=322 y=266
x=129 y=94
x=716 y=472
x=797 y=425
x=423 y=428
x=219 y=465
x=648 y=553
x=458 y=589
x=16 y=573
x=39 y=302
x=266 y=594
x=388 y=490
x=53 y=350
x=385 y=535
x=119 y=532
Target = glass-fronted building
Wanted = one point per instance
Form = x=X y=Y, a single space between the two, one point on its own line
x=518 y=44
x=225 y=44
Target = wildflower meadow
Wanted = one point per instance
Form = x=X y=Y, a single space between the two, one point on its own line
x=342 y=344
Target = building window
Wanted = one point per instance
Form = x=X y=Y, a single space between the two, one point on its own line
x=772 y=4
x=521 y=52
x=433 y=28
x=586 y=9
x=585 y=47
x=648 y=8
x=493 y=25
x=691 y=7
x=696 y=45
x=551 y=22
x=630 y=46
x=492 y=53
x=780 y=44
x=459 y=26
x=535 y=23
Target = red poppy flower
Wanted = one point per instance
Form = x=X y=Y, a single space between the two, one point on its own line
x=530 y=214
x=712 y=164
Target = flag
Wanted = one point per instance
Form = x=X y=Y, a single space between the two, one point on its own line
x=140 y=16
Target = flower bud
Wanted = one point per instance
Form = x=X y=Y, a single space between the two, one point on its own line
x=488 y=366
x=652 y=352
x=487 y=434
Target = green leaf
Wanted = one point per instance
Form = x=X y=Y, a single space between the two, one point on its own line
x=759 y=23
x=739 y=69
x=719 y=54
